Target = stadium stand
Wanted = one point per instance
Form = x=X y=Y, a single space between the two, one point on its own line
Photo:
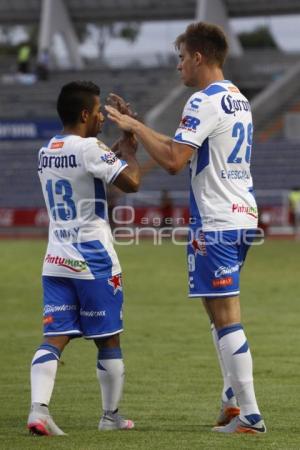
x=256 y=69
x=277 y=126
x=18 y=161
x=142 y=87
x=276 y=164
x=16 y=11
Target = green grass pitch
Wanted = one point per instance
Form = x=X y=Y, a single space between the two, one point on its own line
x=172 y=378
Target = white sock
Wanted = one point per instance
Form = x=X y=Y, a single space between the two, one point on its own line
x=238 y=361
x=228 y=396
x=43 y=372
x=110 y=373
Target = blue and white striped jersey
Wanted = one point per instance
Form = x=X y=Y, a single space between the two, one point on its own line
x=74 y=172
x=217 y=122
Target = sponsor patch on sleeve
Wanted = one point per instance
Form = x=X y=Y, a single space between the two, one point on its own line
x=56 y=145
x=109 y=158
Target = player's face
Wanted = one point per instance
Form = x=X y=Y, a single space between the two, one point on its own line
x=96 y=119
x=187 y=67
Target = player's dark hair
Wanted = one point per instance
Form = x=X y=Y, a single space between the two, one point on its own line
x=207 y=39
x=74 y=97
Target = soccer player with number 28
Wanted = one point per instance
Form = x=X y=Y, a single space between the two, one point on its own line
x=82 y=281
x=215 y=135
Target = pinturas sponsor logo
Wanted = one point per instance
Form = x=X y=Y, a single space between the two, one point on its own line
x=56 y=161
x=243 y=209
x=74 y=265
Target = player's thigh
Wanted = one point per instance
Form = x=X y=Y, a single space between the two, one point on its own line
x=213 y=262
x=61 y=308
x=245 y=241
x=101 y=303
x=223 y=311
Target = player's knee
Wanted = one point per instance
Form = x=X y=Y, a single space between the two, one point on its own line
x=59 y=342
x=108 y=342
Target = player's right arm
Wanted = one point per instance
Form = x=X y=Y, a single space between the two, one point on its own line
x=199 y=119
x=167 y=153
x=123 y=107
x=102 y=163
x=129 y=179
x=161 y=138
x=125 y=148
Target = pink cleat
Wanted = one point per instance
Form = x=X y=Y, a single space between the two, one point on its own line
x=113 y=421
x=40 y=422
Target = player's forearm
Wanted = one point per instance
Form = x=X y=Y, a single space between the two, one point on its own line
x=163 y=138
x=133 y=166
x=157 y=145
x=133 y=171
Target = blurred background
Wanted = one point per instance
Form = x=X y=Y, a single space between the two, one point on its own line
x=126 y=46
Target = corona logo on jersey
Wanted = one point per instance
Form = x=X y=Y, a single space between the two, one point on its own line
x=116 y=282
x=230 y=105
x=189 y=123
x=56 y=162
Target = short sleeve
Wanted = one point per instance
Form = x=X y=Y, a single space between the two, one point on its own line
x=199 y=120
x=101 y=162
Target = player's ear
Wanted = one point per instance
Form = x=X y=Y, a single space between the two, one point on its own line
x=84 y=115
x=198 y=58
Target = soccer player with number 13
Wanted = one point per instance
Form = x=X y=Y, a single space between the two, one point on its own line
x=82 y=282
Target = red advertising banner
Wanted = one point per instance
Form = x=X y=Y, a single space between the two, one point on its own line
x=141 y=216
x=35 y=217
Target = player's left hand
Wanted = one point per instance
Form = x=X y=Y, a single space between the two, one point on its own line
x=126 y=144
x=121 y=105
x=125 y=122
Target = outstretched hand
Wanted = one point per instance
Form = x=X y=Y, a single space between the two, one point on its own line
x=125 y=145
x=121 y=105
x=123 y=121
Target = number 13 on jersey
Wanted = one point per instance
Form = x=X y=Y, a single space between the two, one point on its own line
x=60 y=200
